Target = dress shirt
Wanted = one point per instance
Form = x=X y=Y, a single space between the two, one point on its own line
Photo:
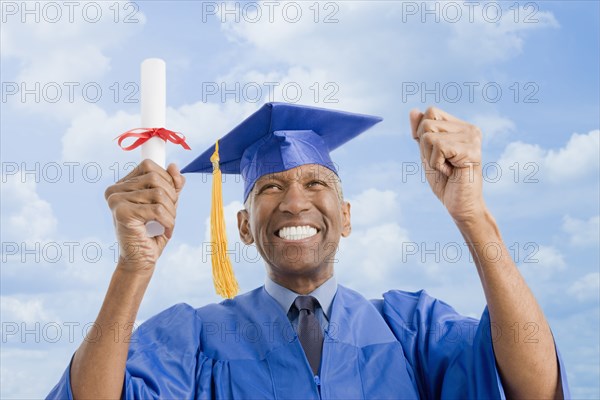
x=285 y=297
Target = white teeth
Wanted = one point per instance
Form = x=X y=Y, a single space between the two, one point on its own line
x=296 y=232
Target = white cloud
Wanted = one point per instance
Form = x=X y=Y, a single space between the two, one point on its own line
x=255 y=32
x=26 y=216
x=17 y=366
x=296 y=84
x=580 y=156
x=90 y=136
x=369 y=259
x=184 y=270
x=373 y=207
x=530 y=163
x=64 y=60
x=70 y=48
x=308 y=43
x=551 y=258
x=543 y=262
x=522 y=153
x=28 y=310
x=493 y=127
x=583 y=233
x=586 y=288
x=204 y=123
x=497 y=41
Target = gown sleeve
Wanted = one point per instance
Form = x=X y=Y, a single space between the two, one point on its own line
x=451 y=355
x=164 y=360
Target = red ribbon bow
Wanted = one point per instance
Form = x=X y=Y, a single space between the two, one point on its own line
x=144 y=134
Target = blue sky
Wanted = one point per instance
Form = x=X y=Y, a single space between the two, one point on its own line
x=534 y=74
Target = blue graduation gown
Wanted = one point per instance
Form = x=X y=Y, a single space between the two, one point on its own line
x=407 y=345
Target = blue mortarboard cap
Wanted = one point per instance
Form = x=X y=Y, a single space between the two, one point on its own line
x=281 y=136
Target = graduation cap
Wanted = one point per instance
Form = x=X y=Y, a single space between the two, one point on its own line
x=276 y=138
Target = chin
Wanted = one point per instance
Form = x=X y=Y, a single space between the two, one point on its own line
x=304 y=258
x=300 y=267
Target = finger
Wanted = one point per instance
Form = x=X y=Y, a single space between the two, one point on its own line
x=433 y=176
x=430 y=125
x=466 y=156
x=145 y=167
x=451 y=150
x=426 y=146
x=147 y=181
x=438 y=160
x=436 y=148
x=165 y=215
x=125 y=213
x=440 y=115
x=177 y=176
x=144 y=196
x=460 y=149
x=415 y=117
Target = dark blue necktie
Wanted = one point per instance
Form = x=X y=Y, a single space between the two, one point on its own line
x=309 y=331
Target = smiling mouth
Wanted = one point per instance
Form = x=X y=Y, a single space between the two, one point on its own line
x=297 y=232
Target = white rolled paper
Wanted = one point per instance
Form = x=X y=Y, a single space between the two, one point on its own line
x=154 y=110
x=154 y=106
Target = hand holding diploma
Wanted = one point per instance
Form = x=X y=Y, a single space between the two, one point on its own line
x=144 y=201
x=153 y=136
x=148 y=193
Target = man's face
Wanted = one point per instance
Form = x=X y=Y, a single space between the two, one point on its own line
x=296 y=219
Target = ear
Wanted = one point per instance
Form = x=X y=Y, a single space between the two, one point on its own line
x=346 y=223
x=244 y=227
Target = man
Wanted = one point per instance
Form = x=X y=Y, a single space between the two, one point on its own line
x=302 y=335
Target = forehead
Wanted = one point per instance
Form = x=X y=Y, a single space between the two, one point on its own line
x=308 y=171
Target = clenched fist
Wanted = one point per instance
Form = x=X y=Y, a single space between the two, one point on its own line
x=147 y=193
x=451 y=155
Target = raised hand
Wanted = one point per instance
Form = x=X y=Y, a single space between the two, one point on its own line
x=147 y=193
x=451 y=155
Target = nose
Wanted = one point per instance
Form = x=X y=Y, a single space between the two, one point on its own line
x=295 y=199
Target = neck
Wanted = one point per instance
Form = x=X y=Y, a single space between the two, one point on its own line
x=300 y=284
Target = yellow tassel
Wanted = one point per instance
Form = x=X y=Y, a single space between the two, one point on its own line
x=225 y=283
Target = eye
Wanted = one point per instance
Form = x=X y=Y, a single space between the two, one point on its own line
x=269 y=187
x=316 y=183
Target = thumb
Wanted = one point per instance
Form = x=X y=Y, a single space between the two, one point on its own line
x=415 y=118
x=178 y=178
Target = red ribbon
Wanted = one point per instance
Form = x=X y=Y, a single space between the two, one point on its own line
x=144 y=134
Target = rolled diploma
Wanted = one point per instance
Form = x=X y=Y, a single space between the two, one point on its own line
x=153 y=110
